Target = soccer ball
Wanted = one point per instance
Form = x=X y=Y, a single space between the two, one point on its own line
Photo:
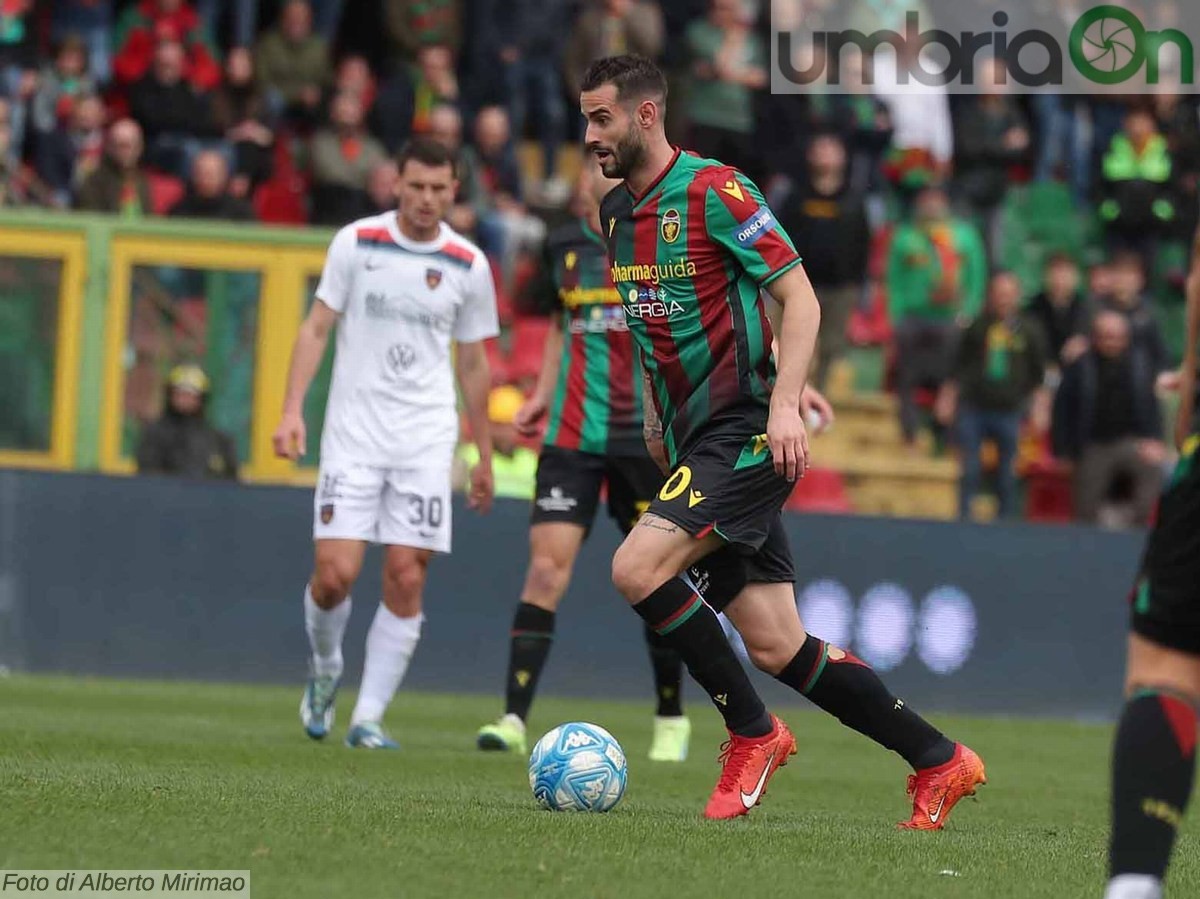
x=577 y=767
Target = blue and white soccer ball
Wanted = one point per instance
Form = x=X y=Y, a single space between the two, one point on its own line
x=577 y=767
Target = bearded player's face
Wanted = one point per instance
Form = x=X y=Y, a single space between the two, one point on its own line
x=612 y=135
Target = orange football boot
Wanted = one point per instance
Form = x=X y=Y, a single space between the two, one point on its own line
x=747 y=764
x=935 y=791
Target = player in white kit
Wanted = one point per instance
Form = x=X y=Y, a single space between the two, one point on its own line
x=413 y=302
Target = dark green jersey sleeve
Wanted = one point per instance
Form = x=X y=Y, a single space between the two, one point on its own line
x=737 y=218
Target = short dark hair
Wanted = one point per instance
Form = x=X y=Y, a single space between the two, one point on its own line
x=428 y=151
x=632 y=75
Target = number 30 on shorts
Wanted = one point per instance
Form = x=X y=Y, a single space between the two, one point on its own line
x=676 y=484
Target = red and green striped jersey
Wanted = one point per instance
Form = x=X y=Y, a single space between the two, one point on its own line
x=597 y=405
x=688 y=257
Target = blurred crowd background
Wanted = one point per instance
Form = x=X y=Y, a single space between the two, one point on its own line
x=1000 y=275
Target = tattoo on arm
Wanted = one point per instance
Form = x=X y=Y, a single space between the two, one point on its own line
x=651 y=425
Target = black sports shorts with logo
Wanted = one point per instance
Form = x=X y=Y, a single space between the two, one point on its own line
x=725 y=483
x=1166 y=598
x=569 y=484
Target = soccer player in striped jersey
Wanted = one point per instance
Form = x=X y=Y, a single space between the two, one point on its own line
x=1154 y=751
x=692 y=244
x=590 y=394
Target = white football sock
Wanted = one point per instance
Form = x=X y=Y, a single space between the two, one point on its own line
x=325 y=629
x=1134 y=886
x=390 y=644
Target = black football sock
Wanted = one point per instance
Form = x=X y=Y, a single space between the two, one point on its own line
x=1153 y=765
x=668 y=675
x=532 y=634
x=680 y=616
x=847 y=688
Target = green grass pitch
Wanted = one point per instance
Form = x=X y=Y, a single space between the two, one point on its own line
x=117 y=774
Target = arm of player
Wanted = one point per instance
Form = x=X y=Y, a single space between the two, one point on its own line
x=652 y=431
x=534 y=409
x=797 y=339
x=1187 y=375
x=475 y=381
x=290 y=439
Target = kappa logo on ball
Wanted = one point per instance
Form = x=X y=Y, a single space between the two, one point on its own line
x=577 y=739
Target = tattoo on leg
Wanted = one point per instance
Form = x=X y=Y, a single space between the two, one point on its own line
x=659 y=524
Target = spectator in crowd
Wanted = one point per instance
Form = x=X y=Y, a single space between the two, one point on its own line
x=445 y=126
x=90 y=20
x=343 y=155
x=1106 y=423
x=118 y=185
x=826 y=216
x=18 y=67
x=609 y=28
x=513 y=466
x=293 y=65
x=936 y=279
x=412 y=25
x=1138 y=206
x=1179 y=118
x=992 y=136
x=999 y=365
x=146 y=25
x=11 y=190
x=182 y=442
x=1062 y=311
x=919 y=114
x=529 y=33
x=208 y=195
x=381 y=189
x=353 y=76
x=1127 y=295
x=243 y=12
x=504 y=227
x=59 y=83
x=175 y=116
x=239 y=114
x=729 y=64
x=436 y=85
x=67 y=155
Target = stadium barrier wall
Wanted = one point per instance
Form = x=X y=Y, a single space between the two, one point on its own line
x=75 y=288
x=149 y=577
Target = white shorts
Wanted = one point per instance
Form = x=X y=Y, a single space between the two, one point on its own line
x=392 y=506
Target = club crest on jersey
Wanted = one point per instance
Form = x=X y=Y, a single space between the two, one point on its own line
x=326 y=513
x=433 y=277
x=570 y=259
x=670 y=225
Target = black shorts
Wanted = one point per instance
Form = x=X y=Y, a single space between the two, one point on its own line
x=1165 y=602
x=727 y=485
x=771 y=564
x=569 y=484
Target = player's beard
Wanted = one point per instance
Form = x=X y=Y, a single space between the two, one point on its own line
x=627 y=156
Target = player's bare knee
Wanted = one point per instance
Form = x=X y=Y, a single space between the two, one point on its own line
x=770 y=658
x=546 y=581
x=403 y=583
x=331 y=582
x=633 y=577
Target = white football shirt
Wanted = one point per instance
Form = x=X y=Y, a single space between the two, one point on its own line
x=401 y=304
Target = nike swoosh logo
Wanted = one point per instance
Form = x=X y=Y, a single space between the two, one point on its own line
x=749 y=799
x=934 y=814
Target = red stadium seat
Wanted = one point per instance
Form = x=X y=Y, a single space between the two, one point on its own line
x=165 y=192
x=820 y=490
